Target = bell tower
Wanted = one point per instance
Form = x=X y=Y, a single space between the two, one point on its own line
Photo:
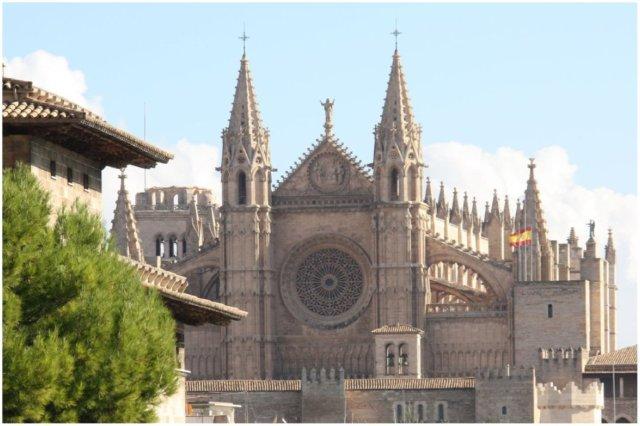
x=400 y=215
x=246 y=272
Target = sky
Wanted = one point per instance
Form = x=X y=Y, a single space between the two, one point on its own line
x=491 y=84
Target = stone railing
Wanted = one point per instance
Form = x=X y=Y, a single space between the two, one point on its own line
x=446 y=308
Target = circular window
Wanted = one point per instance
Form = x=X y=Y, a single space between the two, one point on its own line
x=324 y=281
x=329 y=282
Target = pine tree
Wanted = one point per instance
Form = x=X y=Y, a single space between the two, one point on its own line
x=83 y=340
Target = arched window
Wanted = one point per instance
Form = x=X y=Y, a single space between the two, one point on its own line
x=242 y=188
x=399 y=413
x=441 y=414
x=390 y=358
x=550 y=311
x=159 y=246
x=420 y=413
x=176 y=203
x=403 y=359
x=173 y=246
x=394 y=182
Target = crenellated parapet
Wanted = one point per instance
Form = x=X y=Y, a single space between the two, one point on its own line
x=571 y=404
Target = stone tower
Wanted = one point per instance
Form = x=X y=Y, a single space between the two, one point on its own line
x=400 y=216
x=246 y=273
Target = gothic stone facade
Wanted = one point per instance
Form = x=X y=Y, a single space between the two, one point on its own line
x=335 y=250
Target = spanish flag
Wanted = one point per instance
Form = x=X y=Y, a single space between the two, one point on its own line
x=521 y=237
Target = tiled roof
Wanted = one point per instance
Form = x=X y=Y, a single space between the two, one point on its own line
x=23 y=103
x=623 y=359
x=397 y=329
x=350 y=384
x=243 y=385
x=186 y=307
x=410 y=383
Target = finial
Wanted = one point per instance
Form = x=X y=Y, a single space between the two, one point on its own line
x=328 y=115
x=122 y=177
x=531 y=165
x=244 y=37
x=396 y=33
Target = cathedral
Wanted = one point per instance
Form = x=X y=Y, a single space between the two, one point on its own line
x=370 y=271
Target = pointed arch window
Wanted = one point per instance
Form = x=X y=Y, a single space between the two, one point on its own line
x=390 y=358
x=159 y=246
x=394 y=182
x=403 y=359
x=242 y=188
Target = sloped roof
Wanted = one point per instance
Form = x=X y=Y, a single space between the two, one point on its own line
x=624 y=359
x=185 y=307
x=350 y=384
x=397 y=329
x=66 y=123
x=341 y=150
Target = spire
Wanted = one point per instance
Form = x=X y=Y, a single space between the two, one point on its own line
x=454 y=216
x=495 y=208
x=428 y=197
x=246 y=135
x=123 y=226
x=609 y=249
x=194 y=227
x=518 y=217
x=441 y=206
x=474 y=214
x=487 y=213
x=573 y=239
x=506 y=213
x=397 y=112
x=466 y=216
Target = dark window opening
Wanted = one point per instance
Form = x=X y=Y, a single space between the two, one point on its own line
x=242 y=188
x=69 y=175
x=85 y=181
x=395 y=185
x=550 y=311
x=184 y=246
x=504 y=411
x=440 y=413
x=52 y=167
x=160 y=246
x=173 y=247
x=399 y=414
x=420 y=413
x=390 y=359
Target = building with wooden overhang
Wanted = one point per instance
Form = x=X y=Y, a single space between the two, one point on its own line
x=618 y=371
x=66 y=145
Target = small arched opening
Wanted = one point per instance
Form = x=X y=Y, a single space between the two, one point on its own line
x=390 y=358
x=394 y=185
x=160 y=246
x=403 y=359
x=242 y=188
x=173 y=246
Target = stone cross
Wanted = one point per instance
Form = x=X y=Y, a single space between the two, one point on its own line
x=122 y=177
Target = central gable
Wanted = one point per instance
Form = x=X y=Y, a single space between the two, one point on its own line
x=327 y=170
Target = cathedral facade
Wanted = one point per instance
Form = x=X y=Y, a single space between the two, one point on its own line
x=337 y=249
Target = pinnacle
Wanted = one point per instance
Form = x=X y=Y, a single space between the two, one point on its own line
x=397 y=111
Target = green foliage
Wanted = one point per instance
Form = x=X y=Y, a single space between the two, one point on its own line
x=83 y=340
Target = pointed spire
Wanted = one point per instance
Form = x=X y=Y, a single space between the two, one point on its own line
x=506 y=213
x=397 y=111
x=246 y=132
x=123 y=226
x=428 y=197
x=573 y=239
x=194 y=228
x=441 y=207
x=487 y=213
x=609 y=249
x=466 y=215
x=454 y=216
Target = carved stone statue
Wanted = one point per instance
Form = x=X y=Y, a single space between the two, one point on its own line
x=592 y=228
x=328 y=114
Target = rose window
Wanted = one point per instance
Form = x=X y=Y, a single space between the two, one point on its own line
x=329 y=282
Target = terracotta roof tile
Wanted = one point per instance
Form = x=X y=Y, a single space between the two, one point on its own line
x=411 y=383
x=21 y=101
x=625 y=358
x=350 y=384
x=243 y=385
x=397 y=329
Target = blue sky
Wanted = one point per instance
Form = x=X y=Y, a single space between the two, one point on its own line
x=493 y=75
x=491 y=84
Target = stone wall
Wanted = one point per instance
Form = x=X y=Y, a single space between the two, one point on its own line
x=457 y=344
x=41 y=153
x=506 y=396
x=571 y=404
x=568 y=326
x=380 y=406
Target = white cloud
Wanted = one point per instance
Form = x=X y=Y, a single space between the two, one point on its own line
x=565 y=204
x=193 y=165
x=53 y=73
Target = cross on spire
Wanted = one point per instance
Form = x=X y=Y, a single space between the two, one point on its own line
x=396 y=33
x=244 y=37
x=122 y=177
